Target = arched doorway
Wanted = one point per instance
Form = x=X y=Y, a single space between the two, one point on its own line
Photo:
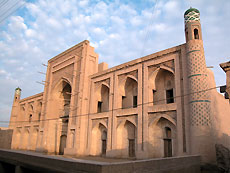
x=62 y=144
x=99 y=139
x=168 y=142
x=34 y=137
x=103 y=142
x=62 y=98
x=131 y=135
x=162 y=137
x=25 y=138
x=17 y=141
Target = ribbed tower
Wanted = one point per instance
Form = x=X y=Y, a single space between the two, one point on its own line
x=199 y=99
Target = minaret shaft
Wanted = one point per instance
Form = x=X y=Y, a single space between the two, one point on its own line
x=199 y=99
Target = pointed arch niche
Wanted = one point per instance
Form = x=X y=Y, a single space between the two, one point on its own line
x=102 y=98
x=162 y=137
x=129 y=93
x=99 y=139
x=162 y=86
x=61 y=98
x=127 y=139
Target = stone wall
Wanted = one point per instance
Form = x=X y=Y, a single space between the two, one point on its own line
x=29 y=162
x=5 y=138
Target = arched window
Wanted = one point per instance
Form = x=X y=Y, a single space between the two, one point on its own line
x=130 y=98
x=163 y=92
x=104 y=141
x=103 y=102
x=167 y=132
x=30 y=118
x=39 y=116
x=168 y=142
x=196 y=34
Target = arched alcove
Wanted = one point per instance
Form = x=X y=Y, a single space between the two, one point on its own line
x=25 y=140
x=126 y=139
x=18 y=138
x=164 y=91
x=61 y=97
x=162 y=138
x=39 y=110
x=34 y=138
x=131 y=136
x=21 y=114
x=31 y=112
x=99 y=140
x=129 y=100
x=62 y=144
x=103 y=99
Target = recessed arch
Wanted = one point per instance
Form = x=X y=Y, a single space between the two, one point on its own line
x=154 y=74
x=162 y=136
x=127 y=134
x=131 y=77
x=105 y=84
x=99 y=138
x=165 y=116
x=162 y=86
x=60 y=81
x=129 y=97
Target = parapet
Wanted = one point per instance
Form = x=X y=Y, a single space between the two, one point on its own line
x=102 y=66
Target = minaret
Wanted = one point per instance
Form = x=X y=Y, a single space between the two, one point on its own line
x=199 y=99
x=15 y=107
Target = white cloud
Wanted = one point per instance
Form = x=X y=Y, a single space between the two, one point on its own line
x=83 y=3
x=2 y=72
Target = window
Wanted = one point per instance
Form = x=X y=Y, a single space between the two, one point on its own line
x=168 y=132
x=39 y=116
x=134 y=101
x=196 y=34
x=168 y=142
x=169 y=96
x=123 y=101
x=104 y=142
x=99 y=107
x=154 y=91
x=30 y=117
x=131 y=147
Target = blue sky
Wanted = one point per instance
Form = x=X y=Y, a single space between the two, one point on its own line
x=120 y=30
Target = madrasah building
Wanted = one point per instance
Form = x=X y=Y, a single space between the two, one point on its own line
x=161 y=105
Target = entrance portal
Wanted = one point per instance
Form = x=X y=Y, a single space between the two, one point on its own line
x=131 y=148
x=168 y=143
x=103 y=141
x=62 y=144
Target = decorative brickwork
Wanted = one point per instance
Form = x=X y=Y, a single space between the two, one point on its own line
x=192 y=16
x=198 y=84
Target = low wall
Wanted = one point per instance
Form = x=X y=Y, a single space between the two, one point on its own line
x=23 y=161
x=5 y=138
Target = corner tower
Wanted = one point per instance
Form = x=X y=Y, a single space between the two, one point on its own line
x=14 y=112
x=199 y=99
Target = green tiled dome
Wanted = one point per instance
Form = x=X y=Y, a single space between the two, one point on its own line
x=18 y=89
x=191 y=9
